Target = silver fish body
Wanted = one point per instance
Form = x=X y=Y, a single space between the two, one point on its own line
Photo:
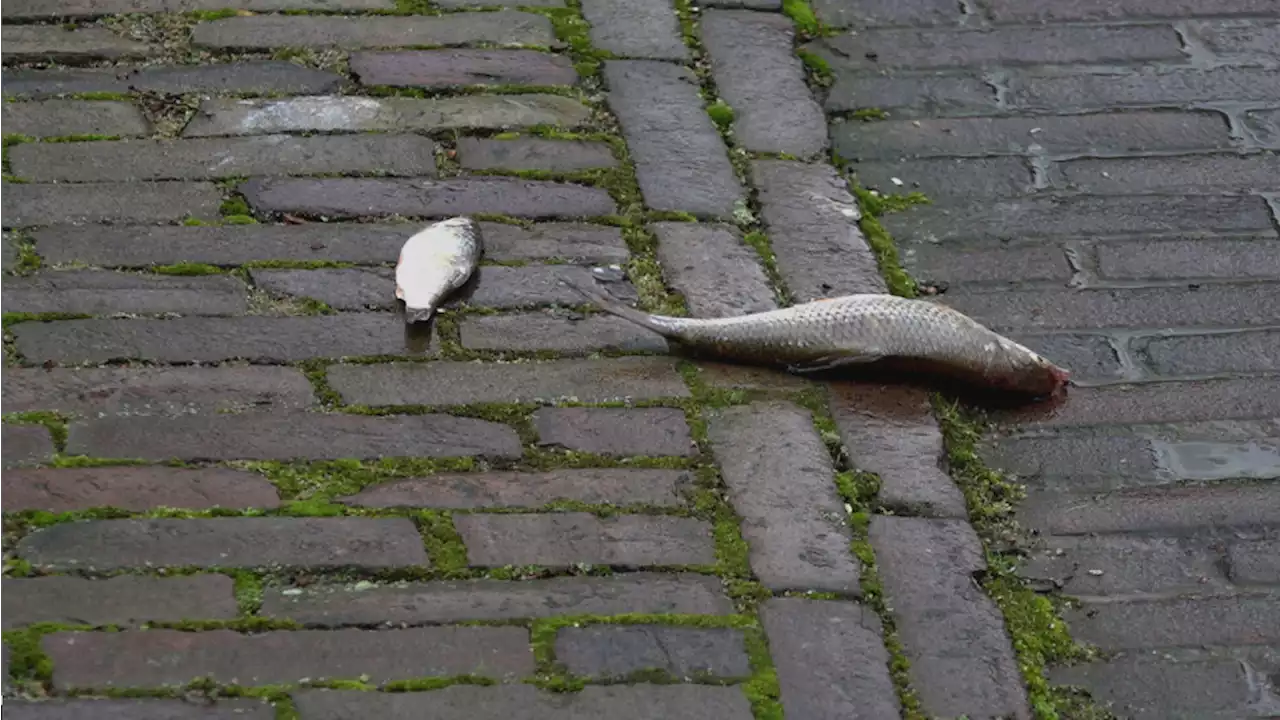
x=857 y=330
x=436 y=262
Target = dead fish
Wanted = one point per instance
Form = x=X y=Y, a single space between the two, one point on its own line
x=857 y=330
x=434 y=263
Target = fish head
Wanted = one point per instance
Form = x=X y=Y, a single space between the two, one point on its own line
x=1027 y=372
x=457 y=223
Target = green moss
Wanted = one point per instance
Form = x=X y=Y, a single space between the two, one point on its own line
x=13 y=318
x=199 y=15
x=101 y=95
x=187 y=269
x=57 y=424
x=194 y=222
x=248 y=593
x=235 y=206
x=818 y=68
x=238 y=219
x=436 y=683
x=886 y=251
x=880 y=204
x=80 y=461
x=29 y=666
x=807 y=23
x=443 y=543
x=327 y=480
x=721 y=114
x=79 y=138
x=573 y=30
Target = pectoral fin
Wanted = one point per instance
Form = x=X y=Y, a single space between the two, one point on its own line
x=832 y=362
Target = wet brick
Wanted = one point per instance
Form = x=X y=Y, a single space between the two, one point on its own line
x=1120 y=565
x=830 y=659
x=1086 y=462
x=222 y=158
x=615 y=431
x=952 y=633
x=455 y=67
x=1152 y=686
x=57 y=118
x=812 y=221
x=718 y=274
x=245 y=542
x=9 y=248
x=136 y=488
x=796 y=530
x=94 y=8
x=1087 y=357
x=1265 y=125
x=568 y=242
x=534 y=154
x=1241 y=620
x=157 y=658
x=26 y=445
x=617 y=651
x=466 y=491
x=873 y=13
x=906 y=95
x=1038 y=11
x=1143 y=87
x=1250 y=453
x=255 y=76
x=1255 y=562
x=1161 y=403
x=464 y=383
x=57 y=43
x=890 y=431
x=1169 y=509
x=681 y=161
x=124 y=600
x=977 y=262
x=1187 y=174
x=546 y=331
x=565 y=539
x=456 y=601
x=949 y=178
x=267 y=32
x=1218 y=258
x=356 y=197
x=101 y=292
x=141 y=709
x=746 y=4
x=749 y=377
x=1238 y=41
x=46 y=204
x=637 y=29
x=1211 y=354
x=758 y=74
x=285 y=436
x=339 y=288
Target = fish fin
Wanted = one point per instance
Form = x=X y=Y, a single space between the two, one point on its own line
x=831 y=362
x=615 y=307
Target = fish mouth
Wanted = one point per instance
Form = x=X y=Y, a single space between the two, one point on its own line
x=419 y=316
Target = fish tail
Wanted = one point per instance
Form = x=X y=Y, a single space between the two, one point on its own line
x=614 y=307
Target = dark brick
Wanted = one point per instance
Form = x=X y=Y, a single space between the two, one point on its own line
x=797 y=530
x=1088 y=357
x=46 y=204
x=758 y=74
x=1211 y=354
x=616 y=431
x=1066 y=135
x=749 y=377
x=557 y=332
x=285 y=436
x=1143 y=87
x=268 y=32
x=526 y=287
x=58 y=43
x=355 y=197
x=459 y=702
x=464 y=383
x=1027 y=11
x=1169 y=509
x=156 y=658
x=1218 y=258
x=101 y=292
x=1159 y=686
x=715 y=271
x=1265 y=126
x=1255 y=562
x=243 y=542
x=410 y=155
x=1187 y=174
x=617 y=651
x=612 y=486
x=745 y=4
x=566 y=539
x=830 y=659
x=261 y=339
x=123 y=600
x=26 y=445
x=457 y=601
x=874 y=13
x=55 y=118
x=353 y=113
x=1085 y=462
x=812 y=221
x=1237 y=41
x=907 y=95
x=531 y=153
x=1125 y=565
x=639 y=29
x=981 y=263
x=890 y=431
x=568 y=242
x=952 y=633
x=255 y=76
x=949 y=178
x=94 y=8
x=141 y=709
x=1237 y=458
x=681 y=161
x=451 y=68
x=1241 y=620
x=339 y=288
x=1161 y=403
x=136 y=488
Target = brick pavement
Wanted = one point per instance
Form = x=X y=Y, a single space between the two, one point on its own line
x=236 y=488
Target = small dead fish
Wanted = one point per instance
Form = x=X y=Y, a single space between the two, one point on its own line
x=434 y=263
x=857 y=330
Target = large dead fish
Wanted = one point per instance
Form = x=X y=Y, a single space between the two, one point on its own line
x=434 y=263
x=857 y=330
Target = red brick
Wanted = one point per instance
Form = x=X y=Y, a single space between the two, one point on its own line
x=26 y=445
x=1145 y=87
x=1187 y=174
x=612 y=486
x=948 y=178
x=136 y=488
x=559 y=332
x=616 y=431
x=454 y=67
x=1027 y=11
x=718 y=274
x=1164 y=402
x=565 y=539
x=1178 y=622
x=1211 y=354
x=1217 y=258
x=1170 y=509
x=99 y=292
x=124 y=600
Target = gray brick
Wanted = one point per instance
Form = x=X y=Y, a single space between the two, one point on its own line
x=137 y=488
x=1087 y=357
x=102 y=292
x=285 y=436
x=874 y=13
x=56 y=118
x=617 y=651
x=1265 y=126
x=56 y=43
x=1255 y=562
x=459 y=702
x=1171 y=509
x=534 y=154
x=902 y=95
x=350 y=113
x=734 y=376
x=796 y=531
x=1240 y=620
x=1234 y=399
x=1218 y=258
x=565 y=539
x=715 y=271
x=979 y=262
x=638 y=29
x=1143 y=87
x=1188 y=174
x=1085 y=462
x=681 y=162
x=141 y=709
x=456 y=601
x=357 y=197
x=467 y=491
x=26 y=445
x=758 y=74
x=94 y=8
x=223 y=158
x=558 y=333
x=1256 y=458
x=1211 y=354
x=259 y=339
x=949 y=178
x=830 y=659
x=9 y=252
x=1038 y=11
x=615 y=431
x=1237 y=41
x=254 y=76
x=812 y=221
x=1072 y=134
x=1124 y=565
x=952 y=633
x=454 y=67
x=47 y=204
x=120 y=600
x=132 y=659
x=464 y=383
x=465 y=4
x=1160 y=686
x=746 y=4
x=268 y=32
x=246 y=542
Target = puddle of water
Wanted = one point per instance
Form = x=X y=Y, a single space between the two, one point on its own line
x=1252 y=460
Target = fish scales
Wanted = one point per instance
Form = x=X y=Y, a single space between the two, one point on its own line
x=434 y=263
